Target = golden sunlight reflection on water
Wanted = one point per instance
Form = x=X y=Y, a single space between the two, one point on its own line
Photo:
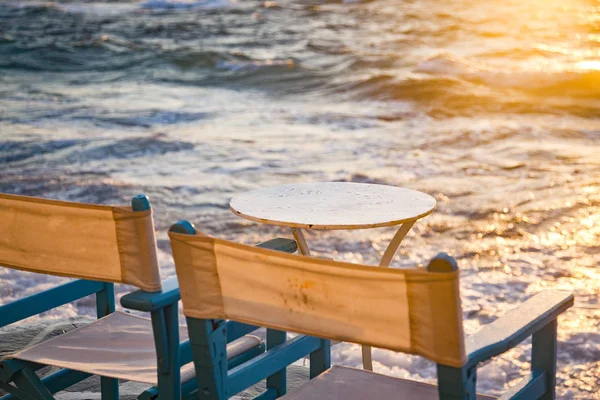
x=490 y=106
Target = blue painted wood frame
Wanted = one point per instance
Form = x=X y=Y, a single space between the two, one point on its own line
x=22 y=372
x=189 y=388
x=536 y=317
x=208 y=340
x=105 y=304
x=270 y=362
x=276 y=382
x=152 y=301
x=54 y=383
x=47 y=300
x=236 y=330
x=543 y=358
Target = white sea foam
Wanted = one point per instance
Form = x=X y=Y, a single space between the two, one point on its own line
x=97 y=8
x=253 y=65
x=185 y=4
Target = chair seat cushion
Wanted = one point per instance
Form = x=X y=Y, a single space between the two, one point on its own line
x=356 y=384
x=119 y=346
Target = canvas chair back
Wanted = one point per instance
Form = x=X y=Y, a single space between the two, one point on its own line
x=409 y=310
x=103 y=243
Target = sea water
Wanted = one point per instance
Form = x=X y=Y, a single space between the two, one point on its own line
x=491 y=106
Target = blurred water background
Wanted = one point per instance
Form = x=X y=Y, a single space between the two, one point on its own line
x=491 y=106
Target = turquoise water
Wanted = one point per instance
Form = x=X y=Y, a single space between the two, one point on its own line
x=492 y=107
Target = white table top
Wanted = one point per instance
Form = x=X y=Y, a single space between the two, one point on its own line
x=333 y=205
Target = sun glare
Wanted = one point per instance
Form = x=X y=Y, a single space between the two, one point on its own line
x=589 y=65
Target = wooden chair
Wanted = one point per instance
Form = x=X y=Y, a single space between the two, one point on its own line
x=414 y=310
x=100 y=245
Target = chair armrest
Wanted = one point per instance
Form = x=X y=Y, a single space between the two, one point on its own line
x=280 y=244
x=517 y=325
x=152 y=301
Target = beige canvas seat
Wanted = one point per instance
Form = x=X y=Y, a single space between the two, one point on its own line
x=119 y=345
x=356 y=384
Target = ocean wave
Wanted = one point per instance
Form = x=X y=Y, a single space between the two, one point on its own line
x=146 y=118
x=273 y=51
x=189 y=58
x=442 y=96
x=82 y=151
x=571 y=82
x=445 y=85
x=83 y=186
x=15 y=151
x=129 y=148
x=389 y=87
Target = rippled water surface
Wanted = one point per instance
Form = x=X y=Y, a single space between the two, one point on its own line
x=492 y=107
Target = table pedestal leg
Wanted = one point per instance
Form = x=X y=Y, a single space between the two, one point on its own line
x=302 y=245
x=385 y=262
x=395 y=243
x=389 y=253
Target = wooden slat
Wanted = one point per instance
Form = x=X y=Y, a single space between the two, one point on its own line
x=530 y=387
x=47 y=300
x=270 y=362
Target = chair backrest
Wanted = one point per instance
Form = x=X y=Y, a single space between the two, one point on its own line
x=410 y=310
x=103 y=243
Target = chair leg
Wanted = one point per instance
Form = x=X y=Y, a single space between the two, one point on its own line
x=320 y=360
x=277 y=381
x=165 y=327
x=209 y=339
x=105 y=300
x=18 y=378
x=105 y=304
x=456 y=383
x=543 y=357
x=169 y=380
x=28 y=382
x=109 y=388
x=55 y=382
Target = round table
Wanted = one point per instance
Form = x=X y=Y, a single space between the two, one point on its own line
x=336 y=205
